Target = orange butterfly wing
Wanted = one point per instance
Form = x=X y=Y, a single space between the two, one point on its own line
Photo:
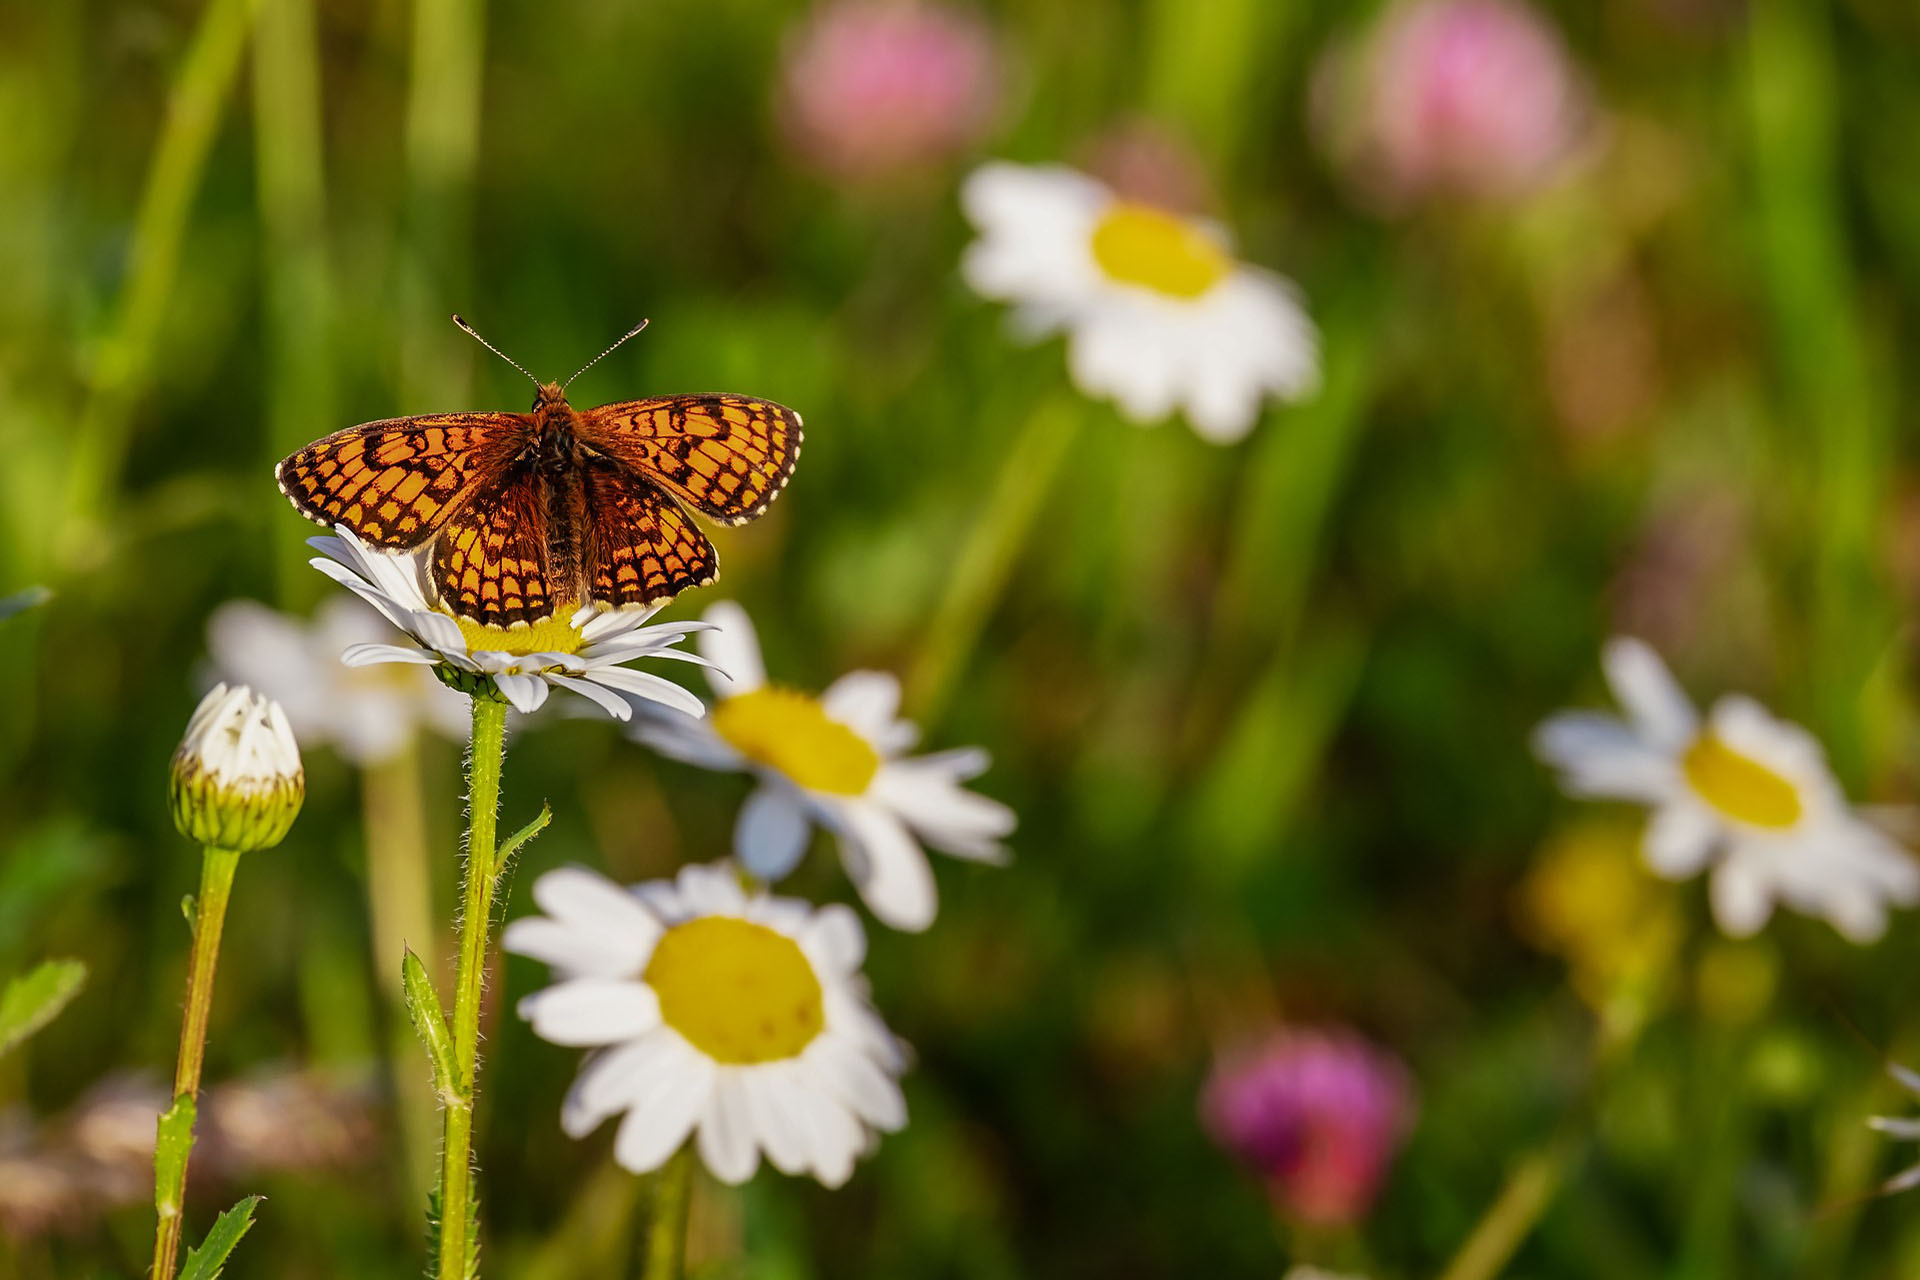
x=639 y=547
x=491 y=561
x=725 y=456
x=396 y=481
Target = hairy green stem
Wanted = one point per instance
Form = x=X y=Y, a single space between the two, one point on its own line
x=666 y=1255
x=476 y=914
x=176 y=1127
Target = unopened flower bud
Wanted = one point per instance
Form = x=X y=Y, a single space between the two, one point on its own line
x=237 y=782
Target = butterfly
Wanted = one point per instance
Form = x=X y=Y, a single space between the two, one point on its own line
x=531 y=513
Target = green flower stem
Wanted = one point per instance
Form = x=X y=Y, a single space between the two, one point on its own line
x=176 y=1127
x=1529 y=1190
x=476 y=914
x=992 y=548
x=400 y=909
x=666 y=1255
x=195 y=106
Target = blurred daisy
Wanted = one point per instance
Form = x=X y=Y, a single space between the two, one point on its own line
x=21 y=601
x=1900 y=1128
x=874 y=87
x=1745 y=793
x=1158 y=313
x=583 y=652
x=367 y=714
x=837 y=761
x=1318 y=1114
x=737 y=1017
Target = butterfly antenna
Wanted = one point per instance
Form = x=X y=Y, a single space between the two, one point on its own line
x=604 y=354
x=471 y=332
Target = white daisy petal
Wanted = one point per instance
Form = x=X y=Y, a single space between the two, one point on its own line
x=864 y=701
x=592 y=690
x=886 y=865
x=771 y=832
x=1742 y=899
x=1679 y=840
x=655 y=1130
x=726 y=1137
x=733 y=649
x=776 y=1104
x=526 y=693
x=645 y=684
x=592 y=1011
x=836 y=939
x=1644 y=686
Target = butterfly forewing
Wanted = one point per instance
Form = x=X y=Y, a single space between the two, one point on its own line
x=726 y=456
x=640 y=547
x=491 y=562
x=395 y=482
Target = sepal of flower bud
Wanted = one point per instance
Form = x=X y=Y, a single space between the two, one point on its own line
x=237 y=782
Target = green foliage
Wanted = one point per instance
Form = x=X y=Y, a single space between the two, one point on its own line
x=1263 y=709
x=511 y=845
x=35 y=998
x=434 y=1214
x=430 y=1022
x=210 y=1259
x=174 y=1143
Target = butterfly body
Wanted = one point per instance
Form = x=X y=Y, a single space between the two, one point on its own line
x=527 y=514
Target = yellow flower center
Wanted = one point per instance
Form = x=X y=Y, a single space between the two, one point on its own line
x=555 y=635
x=790 y=732
x=1138 y=244
x=738 y=991
x=1739 y=786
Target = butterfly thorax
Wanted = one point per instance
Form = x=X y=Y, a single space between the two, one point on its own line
x=556 y=431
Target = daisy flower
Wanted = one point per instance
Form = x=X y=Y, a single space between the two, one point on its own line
x=1158 y=313
x=836 y=761
x=367 y=714
x=583 y=652
x=1901 y=1129
x=1743 y=793
x=737 y=1017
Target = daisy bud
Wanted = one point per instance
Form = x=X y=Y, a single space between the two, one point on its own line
x=237 y=782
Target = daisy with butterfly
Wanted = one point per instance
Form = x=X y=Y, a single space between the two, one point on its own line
x=523 y=552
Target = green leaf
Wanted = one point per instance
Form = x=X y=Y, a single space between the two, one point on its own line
x=36 y=998
x=174 y=1141
x=434 y=1201
x=430 y=1021
x=523 y=835
x=206 y=1262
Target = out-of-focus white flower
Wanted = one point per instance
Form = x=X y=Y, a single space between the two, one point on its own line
x=1900 y=1128
x=585 y=651
x=237 y=783
x=367 y=714
x=1475 y=97
x=1745 y=793
x=837 y=760
x=737 y=1017
x=874 y=87
x=1158 y=313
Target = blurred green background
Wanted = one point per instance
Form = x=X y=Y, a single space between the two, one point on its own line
x=1263 y=710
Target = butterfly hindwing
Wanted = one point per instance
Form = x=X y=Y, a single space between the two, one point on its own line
x=491 y=562
x=726 y=456
x=639 y=547
x=395 y=482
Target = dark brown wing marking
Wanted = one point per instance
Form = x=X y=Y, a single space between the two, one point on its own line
x=490 y=562
x=394 y=482
x=726 y=456
x=639 y=547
